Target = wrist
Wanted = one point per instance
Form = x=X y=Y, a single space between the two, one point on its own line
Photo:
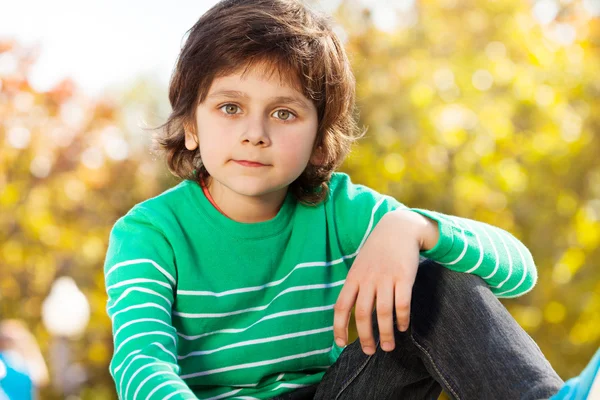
x=426 y=229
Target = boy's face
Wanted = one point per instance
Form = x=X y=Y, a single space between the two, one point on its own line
x=256 y=133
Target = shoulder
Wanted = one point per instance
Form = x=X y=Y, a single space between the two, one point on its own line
x=161 y=209
x=171 y=199
x=341 y=187
x=353 y=200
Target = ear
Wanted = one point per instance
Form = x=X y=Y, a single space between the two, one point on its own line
x=191 y=139
x=318 y=156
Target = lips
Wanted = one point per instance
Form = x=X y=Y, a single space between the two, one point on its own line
x=248 y=163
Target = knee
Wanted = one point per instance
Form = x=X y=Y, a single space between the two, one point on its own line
x=437 y=284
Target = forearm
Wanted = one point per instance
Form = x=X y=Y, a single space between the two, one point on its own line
x=473 y=247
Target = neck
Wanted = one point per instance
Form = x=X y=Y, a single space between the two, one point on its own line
x=246 y=209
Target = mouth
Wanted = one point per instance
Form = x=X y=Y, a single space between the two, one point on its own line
x=247 y=163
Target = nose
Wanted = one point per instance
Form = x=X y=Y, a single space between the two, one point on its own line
x=256 y=133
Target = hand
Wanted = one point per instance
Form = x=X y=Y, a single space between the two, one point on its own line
x=383 y=275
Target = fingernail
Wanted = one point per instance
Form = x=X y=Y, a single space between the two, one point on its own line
x=340 y=342
x=402 y=328
x=368 y=350
x=387 y=346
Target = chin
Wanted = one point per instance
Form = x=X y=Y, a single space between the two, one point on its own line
x=250 y=187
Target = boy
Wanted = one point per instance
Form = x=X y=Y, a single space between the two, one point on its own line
x=239 y=281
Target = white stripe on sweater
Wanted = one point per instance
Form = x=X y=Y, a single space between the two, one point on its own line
x=143 y=305
x=167 y=397
x=510 y=262
x=139 y=335
x=524 y=272
x=265 y=318
x=290 y=385
x=495 y=253
x=256 y=364
x=130 y=364
x=472 y=230
x=140 y=261
x=156 y=389
x=142 y=383
x=139 y=351
x=138 y=289
x=257 y=341
x=261 y=308
x=464 y=251
x=137 y=280
x=137 y=321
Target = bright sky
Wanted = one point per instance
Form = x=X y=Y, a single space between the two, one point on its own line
x=101 y=43
x=105 y=43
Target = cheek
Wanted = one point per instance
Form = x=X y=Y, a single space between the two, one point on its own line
x=211 y=136
x=298 y=150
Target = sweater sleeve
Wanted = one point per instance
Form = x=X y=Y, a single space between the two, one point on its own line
x=473 y=247
x=140 y=280
x=465 y=245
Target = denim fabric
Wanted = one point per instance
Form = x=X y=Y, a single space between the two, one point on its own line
x=460 y=338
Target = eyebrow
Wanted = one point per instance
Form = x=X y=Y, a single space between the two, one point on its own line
x=235 y=94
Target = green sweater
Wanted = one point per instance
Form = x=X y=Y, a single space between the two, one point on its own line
x=203 y=306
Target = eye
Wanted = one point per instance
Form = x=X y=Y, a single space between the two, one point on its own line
x=284 y=115
x=230 y=109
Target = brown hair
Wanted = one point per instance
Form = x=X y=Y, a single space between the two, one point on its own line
x=289 y=38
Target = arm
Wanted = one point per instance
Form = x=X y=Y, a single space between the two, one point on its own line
x=464 y=245
x=385 y=268
x=140 y=281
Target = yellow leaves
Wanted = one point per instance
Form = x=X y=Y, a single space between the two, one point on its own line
x=9 y=195
x=10 y=288
x=529 y=317
x=421 y=95
x=74 y=189
x=453 y=138
x=93 y=249
x=513 y=177
x=566 y=203
x=12 y=252
x=494 y=119
x=471 y=187
x=437 y=156
x=98 y=353
x=587 y=228
x=573 y=258
x=504 y=71
x=394 y=164
x=524 y=87
x=555 y=312
x=545 y=95
x=568 y=265
x=587 y=328
x=561 y=274
x=451 y=122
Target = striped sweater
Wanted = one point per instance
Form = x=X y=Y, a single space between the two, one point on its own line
x=206 y=307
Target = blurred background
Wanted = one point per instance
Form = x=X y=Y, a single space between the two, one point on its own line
x=484 y=109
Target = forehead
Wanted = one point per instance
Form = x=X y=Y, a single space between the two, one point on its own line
x=282 y=76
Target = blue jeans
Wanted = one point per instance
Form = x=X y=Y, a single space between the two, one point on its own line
x=460 y=338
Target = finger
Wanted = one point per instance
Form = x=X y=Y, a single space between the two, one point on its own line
x=402 y=300
x=385 y=315
x=342 y=309
x=363 y=312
